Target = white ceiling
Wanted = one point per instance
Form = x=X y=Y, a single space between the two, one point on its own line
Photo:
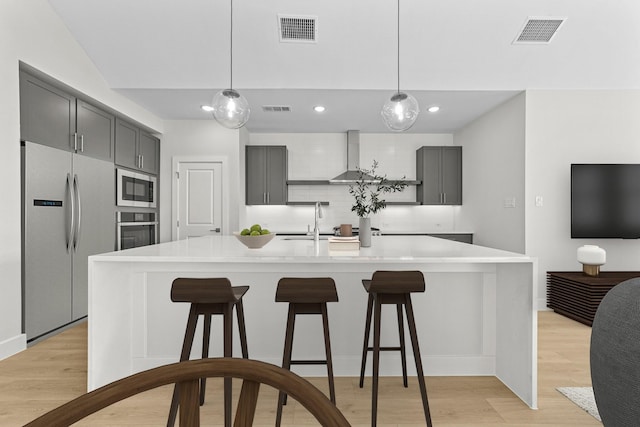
x=171 y=56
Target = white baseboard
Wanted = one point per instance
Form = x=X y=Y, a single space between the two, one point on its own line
x=13 y=346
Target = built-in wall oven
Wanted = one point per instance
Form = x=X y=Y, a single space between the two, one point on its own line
x=136 y=229
x=136 y=189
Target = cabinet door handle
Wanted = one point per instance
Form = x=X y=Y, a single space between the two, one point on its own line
x=444 y=198
x=75 y=141
x=82 y=143
x=141 y=161
x=268 y=194
x=264 y=198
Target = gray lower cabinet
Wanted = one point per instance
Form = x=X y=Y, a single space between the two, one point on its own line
x=266 y=175
x=135 y=148
x=53 y=117
x=440 y=171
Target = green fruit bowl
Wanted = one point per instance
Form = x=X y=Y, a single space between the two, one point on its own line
x=254 y=242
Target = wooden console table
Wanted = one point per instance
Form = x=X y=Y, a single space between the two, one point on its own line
x=577 y=296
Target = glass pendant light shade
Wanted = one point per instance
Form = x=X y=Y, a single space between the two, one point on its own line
x=400 y=111
x=230 y=109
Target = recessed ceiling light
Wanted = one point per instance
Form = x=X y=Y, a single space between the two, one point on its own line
x=433 y=109
x=318 y=109
x=207 y=108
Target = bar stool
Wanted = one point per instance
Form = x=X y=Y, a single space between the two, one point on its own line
x=392 y=287
x=209 y=296
x=306 y=296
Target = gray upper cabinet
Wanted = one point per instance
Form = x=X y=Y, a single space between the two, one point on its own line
x=440 y=170
x=53 y=117
x=47 y=114
x=149 y=150
x=266 y=175
x=95 y=131
x=136 y=149
x=127 y=136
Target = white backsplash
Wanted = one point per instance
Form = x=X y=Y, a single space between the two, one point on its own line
x=391 y=219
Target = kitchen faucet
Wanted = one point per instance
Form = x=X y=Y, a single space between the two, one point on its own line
x=317 y=215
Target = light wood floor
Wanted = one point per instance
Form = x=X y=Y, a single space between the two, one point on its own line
x=54 y=371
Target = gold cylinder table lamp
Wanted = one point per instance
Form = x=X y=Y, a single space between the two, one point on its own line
x=591 y=257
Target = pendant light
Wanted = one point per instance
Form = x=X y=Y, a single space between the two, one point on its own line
x=401 y=110
x=230 y=108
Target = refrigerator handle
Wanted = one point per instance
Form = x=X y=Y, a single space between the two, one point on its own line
x=78 y=224
x=72 y=214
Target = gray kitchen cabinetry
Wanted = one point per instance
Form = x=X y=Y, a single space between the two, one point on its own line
x=266 y=175
x=135 y=148
x=440 y=171
x=53 y=117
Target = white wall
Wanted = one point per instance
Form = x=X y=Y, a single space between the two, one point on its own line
x=323 y=156
x=199 y=139
x=564 y=127
x=31 y=32
x=493 y=148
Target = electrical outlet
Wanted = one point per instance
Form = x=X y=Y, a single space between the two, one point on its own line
x=539 y=201
x=510 y=202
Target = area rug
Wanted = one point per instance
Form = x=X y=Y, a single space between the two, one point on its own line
x=583 y=397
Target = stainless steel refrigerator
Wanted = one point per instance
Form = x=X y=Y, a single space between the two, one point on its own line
x=68 y=214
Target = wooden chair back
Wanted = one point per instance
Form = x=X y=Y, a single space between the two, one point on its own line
x=187 y=375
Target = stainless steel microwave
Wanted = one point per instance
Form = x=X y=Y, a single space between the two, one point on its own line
x=136 y=189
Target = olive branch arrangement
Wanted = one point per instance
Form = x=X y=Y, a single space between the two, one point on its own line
x=367 y=191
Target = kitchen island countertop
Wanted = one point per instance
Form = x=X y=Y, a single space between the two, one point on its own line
x=402 y=249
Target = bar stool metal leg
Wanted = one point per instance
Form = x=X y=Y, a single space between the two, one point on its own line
x=365 y=346
x=416 y=355
x=286 y=359
x=228 y=346
x=242 y=329
x=376 y=360
x=205 y=353
x=403 y=352
x=184 y=355
x=327 y=349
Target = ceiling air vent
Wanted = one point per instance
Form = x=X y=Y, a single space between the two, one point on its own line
x=298 y=29
x=276 y=108
x=539 y=30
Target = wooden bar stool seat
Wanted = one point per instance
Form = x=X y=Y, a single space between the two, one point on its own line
x=392 y=287
x=306 y=296
x=208 y=297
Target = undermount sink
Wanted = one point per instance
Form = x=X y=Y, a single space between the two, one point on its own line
x=303 y=238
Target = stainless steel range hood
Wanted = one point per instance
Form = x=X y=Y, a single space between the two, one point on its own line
x=351 y=175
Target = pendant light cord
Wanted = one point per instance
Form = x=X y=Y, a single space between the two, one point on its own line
x=231 y=49
x=398 y=39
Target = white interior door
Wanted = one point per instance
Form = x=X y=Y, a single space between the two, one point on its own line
x=199 y=199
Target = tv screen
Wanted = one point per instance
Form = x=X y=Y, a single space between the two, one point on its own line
x=605 y=201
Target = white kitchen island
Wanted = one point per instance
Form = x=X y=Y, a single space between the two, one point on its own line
x=477 y=316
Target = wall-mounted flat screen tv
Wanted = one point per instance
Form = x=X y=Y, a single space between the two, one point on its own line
x=605 y=201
